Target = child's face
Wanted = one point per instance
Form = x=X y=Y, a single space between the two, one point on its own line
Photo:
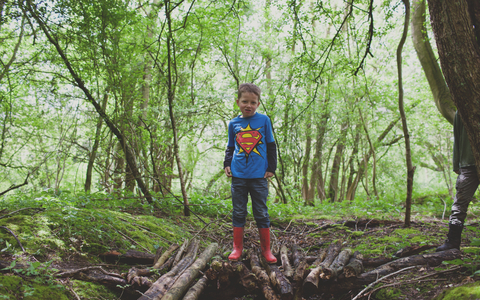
x=248 y=104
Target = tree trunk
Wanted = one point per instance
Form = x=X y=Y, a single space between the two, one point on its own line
x=317 y=181
x=96 y=143
x=361 y=167
x=457 y=33
x=333 y=184
x=438 y=86
x=171 y=86
x=408 y=155
x=372 y=150
x=306 y=162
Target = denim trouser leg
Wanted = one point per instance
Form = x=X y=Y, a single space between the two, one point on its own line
x=258 y=190
x=466 y=186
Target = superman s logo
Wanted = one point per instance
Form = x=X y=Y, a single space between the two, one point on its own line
x=248 y=139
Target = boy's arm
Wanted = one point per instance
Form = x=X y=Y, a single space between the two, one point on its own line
x=227 y=162
x=271 y=157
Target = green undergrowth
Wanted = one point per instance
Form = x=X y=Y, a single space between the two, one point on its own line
x=15 y=287
x=59 y=232
x=88 y=290
x=467 y=291
x=56 y=226
x=393 y=241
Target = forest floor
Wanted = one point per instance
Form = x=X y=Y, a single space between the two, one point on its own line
x=378 y=240
x=374 y=238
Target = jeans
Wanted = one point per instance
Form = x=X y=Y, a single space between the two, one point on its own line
x=258 y=190
x=466 y=186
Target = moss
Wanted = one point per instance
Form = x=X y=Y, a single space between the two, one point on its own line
x=34 y=233
x=357 y=233
x=405 y=231
x=65 y=231
x=472 y=250
x=388 y=294
x=95 y=248
x=89 y=290
x=14 y=287
x=468 y=291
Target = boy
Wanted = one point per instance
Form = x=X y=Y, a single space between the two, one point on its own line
x=250 y=158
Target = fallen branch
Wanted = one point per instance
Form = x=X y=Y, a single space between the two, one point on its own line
x=132 y=257
x=379 y=280
x=11 y=232
x=409 y=251
x=180 y=252
x=37 y=209
x=130 y=239
x=418 y=279
x=195 y=291
x=262 y=276
x=185 y=280
x=355 y=266
x=165 y=256
x=336 y=268
x=333 y=251
x=86 y=269
x=278 y=280
x=247 y=278
x=432 y=259
x=287 y=267
x=161 y=286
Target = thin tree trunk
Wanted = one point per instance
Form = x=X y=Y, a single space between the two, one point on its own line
x=171 y=83
x=364 y=162
x=319 y=181
x=333 y=184
x=372 y=150
x=306 y=162
x=408 y=155
x=96 y=143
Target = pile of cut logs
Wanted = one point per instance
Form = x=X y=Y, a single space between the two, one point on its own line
x=333 y=270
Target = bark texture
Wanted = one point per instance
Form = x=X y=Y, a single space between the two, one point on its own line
x=457 y=34
x=430 y=66
x=179 y=288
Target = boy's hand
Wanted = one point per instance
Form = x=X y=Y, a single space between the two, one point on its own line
x=228 y=172
x=268 y=175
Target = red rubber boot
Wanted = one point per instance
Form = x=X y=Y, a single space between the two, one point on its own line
x=265 y=245
x=237 y=244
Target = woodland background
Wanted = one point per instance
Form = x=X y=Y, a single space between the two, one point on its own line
x=113 y=127
x=133 y=98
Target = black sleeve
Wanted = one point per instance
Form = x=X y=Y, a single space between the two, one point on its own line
x=272 y=157
x=228 y=157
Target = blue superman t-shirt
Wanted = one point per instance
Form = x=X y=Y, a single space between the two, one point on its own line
x=250 y=136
